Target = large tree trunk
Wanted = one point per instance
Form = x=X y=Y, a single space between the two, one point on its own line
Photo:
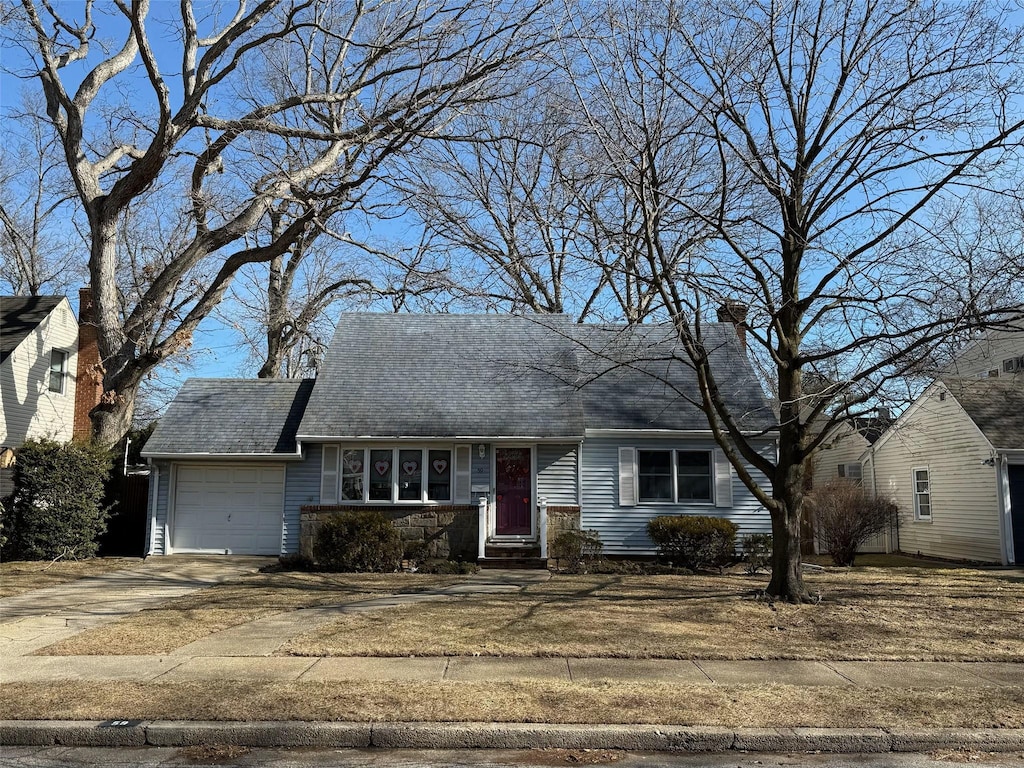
x=787 y=582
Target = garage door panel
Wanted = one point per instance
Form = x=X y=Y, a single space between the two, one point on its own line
x=220 y=508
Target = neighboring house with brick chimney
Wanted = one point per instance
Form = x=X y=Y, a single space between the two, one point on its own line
x=42 y=375
x=481 y=435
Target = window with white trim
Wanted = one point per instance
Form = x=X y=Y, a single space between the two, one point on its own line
x=393 y=475
x=674 y=476
x=58 y=370
x=852 y=471
x=922 y=494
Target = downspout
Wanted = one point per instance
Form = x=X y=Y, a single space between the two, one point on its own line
x=1002 y=494
x=579 y=480
x=154 y=491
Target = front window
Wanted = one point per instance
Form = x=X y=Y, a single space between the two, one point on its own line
x=58 y=370
x=693 y=475
x=410 y=474
x=674 y=476
x=389 y=475
x=352 y=475
x=654 y=475
x=922 y=495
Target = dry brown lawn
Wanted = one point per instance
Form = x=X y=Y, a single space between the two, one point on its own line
x=525 y=701
x=187 y=619
x=865 y=614
x=21 y=576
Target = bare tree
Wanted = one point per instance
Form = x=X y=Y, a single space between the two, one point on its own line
x=828 y=138
x=41 y=252
x=285 y=108
x=502 y=202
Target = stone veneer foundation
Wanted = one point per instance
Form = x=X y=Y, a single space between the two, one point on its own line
x=449 y=531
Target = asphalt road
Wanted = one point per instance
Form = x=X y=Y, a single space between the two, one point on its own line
x=241 y=757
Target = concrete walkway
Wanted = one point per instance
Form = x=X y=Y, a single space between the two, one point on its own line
x=41 y=617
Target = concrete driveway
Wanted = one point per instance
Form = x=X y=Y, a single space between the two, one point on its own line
x=35 y=619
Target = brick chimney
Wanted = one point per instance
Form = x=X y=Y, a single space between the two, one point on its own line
x=89 y=374
x=735 y=312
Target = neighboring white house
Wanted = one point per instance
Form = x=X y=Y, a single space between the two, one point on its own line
x=954 y=463
x=38 y=365
x=841 y=455
x=993 y=354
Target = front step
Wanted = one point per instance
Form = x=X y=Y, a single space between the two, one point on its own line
x=512 y=556
x=512 y=563
x=512 y=551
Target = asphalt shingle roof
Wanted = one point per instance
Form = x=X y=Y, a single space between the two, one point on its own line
x=19 y=315
x=638 y=377
x=996 y=405
x=231 y=416
x=540 y=376
x=447 y=376
x=390 y=375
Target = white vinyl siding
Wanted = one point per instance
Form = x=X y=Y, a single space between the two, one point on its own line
x=28 y=407
x=937 y=434
x=608 y=479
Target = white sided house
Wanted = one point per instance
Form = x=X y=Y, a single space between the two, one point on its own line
x=38 y=363
x=481 y=436
x=954 y=463
x=841 y=456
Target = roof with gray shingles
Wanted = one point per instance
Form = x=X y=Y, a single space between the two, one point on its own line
x=231 y=416
x=19 y=315
x=996 y=405
x=478 y=376
x=390 y=375
x=516 y=376
x=638 y=377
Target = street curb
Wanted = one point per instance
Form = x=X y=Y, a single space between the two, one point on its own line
x=644 y=738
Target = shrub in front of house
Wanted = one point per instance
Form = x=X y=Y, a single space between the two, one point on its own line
x=757 y=552
x=846 y=518
x=575 y=551
x=357 y=541
x=56 y=508
x=696 y=542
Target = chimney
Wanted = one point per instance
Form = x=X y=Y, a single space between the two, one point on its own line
x=89 y=374
x=735 y=312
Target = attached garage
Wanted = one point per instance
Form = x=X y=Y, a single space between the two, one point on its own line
x=227 y=509
x=224 y=456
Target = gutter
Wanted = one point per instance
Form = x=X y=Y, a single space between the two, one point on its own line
x=225 y=456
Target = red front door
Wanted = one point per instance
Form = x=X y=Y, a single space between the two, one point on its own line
x=512 y=491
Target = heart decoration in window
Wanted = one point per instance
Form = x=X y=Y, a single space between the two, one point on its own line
x=410 y=467
x=353 y=466
x=440 y=465
x=382 y=467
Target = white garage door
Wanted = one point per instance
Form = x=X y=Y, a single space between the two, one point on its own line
x=228 y=509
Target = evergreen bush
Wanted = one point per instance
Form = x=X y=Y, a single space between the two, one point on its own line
x=357 y=541
x=694 y=541
x=56 y=508
x=575 y=550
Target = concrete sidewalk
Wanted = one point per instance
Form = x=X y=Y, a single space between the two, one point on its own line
x=182 y=668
